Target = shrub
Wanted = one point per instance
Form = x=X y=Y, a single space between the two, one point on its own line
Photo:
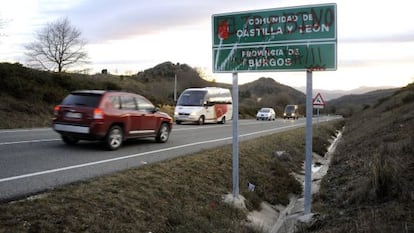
x=408 y=98
x=384 y=175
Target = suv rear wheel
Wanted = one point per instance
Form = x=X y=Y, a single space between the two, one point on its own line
x=114 y=137
x=163 y=133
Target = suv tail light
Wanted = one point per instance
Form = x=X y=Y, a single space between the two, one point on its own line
x=56 y=110
x=98 y=114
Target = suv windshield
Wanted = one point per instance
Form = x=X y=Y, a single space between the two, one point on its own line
x=89 y=100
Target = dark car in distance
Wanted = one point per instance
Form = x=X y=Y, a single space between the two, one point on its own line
x=109 y=116
x=291 y=111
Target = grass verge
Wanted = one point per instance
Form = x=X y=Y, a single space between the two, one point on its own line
x=179 y=195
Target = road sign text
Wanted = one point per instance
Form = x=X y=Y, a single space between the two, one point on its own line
x=296 y=38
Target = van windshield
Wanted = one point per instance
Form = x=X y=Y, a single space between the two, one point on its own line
x=192 y=98
x=290 y=109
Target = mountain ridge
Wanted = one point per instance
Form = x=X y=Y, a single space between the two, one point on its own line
x=334 y=94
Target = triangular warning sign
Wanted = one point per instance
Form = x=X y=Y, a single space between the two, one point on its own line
x=318 y=100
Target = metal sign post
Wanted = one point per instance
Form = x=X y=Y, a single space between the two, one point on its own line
x=308 y=149
x=235 y=136
x=301 y=38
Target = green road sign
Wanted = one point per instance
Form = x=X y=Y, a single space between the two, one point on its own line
x=288 y=39
x=315 y=56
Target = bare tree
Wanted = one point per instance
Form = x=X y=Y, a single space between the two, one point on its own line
x=57 y=46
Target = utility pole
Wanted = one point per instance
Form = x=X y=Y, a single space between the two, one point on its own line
x=175 y=88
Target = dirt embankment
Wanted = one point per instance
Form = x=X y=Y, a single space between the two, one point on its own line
x=369 y=186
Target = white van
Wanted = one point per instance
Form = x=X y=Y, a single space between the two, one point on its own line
x=204 y=105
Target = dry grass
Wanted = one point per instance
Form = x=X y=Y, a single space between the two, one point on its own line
x=370 y=186
x=17 y=113
x=179 y=195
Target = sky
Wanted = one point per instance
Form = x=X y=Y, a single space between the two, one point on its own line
x=375 y=44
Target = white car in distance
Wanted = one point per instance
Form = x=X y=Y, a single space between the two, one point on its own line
x=266 y=114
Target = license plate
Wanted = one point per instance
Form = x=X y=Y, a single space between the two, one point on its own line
x=75 y=115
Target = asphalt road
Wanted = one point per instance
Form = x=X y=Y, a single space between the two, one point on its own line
x=35 y=160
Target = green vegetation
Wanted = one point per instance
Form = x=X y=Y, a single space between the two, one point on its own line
x=30 y=95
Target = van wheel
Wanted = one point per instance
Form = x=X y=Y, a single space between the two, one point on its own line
x=178 y=122
x=223 y=120
x=114 y=138
x=70 y=140
x=163 y=133
x=201 y=120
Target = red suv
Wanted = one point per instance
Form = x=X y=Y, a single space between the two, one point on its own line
x=110 y=116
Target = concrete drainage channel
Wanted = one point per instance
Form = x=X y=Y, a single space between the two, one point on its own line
x=283 y=219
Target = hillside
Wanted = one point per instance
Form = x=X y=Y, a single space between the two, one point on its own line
x=30 y=95
x=266 y=92
x=348 y=104
x=335 y=94
x=363 y=99
x=369 y=186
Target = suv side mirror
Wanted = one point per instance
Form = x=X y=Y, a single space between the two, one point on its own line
x=155 y=109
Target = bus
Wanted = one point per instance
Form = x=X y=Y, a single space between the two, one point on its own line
x=204 y=105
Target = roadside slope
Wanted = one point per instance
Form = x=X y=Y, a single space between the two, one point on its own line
x=369 y=186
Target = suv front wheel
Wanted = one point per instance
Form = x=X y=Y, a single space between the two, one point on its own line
x=114 y=137
x=163 y=133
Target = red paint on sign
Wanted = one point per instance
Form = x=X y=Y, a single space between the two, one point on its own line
x=223 y=30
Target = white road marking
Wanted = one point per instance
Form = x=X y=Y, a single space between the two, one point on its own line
x=136 y=155
x=29 y=141
x=57 y=139
x=23 y=130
